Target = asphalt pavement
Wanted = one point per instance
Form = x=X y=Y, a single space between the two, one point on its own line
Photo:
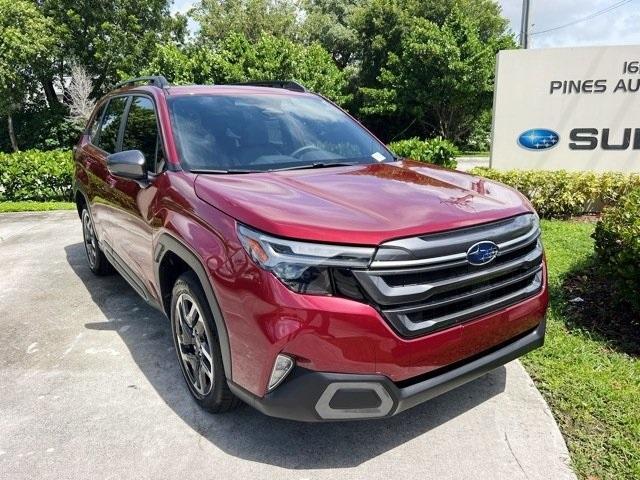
x=90 y=388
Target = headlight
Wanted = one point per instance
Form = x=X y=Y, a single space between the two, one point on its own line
x=302 y=266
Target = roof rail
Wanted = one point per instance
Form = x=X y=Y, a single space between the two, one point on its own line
x=286 y=84
x=156 y=81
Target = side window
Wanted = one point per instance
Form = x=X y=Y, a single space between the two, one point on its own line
x=141 y=132
x=108 y=135
x=92 y=129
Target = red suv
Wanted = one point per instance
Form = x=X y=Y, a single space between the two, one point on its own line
x=305 y=269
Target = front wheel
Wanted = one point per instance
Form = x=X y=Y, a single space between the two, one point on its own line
x=197 y=346
x=98 y=263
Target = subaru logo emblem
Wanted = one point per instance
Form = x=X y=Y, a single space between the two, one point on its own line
x=538 y=139
x=482 y=253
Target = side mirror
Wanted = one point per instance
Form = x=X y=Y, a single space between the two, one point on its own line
x=128 y=164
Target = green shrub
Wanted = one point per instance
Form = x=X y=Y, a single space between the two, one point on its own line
x=617 y=237
x=437 y=151
x=479 y=139
x=561 y=194
x=36 y=175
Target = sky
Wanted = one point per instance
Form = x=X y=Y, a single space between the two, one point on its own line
x=617 y=27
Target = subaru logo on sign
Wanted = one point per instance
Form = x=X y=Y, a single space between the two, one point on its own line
x=538 y=139
x=482 y=253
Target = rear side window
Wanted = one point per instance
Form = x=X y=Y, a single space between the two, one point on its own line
x=108 y=136
x=141 y=132
x=92 y=129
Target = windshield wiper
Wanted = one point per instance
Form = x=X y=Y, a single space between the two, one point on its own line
x=230 y=170
x=314 y=165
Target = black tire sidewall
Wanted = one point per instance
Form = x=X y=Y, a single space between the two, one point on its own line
x=102 y=265
x=187 y=283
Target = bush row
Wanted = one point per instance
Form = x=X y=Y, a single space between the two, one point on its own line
x=437 y=151
x=617 y=237
x=36 y=175
x=561 y=194
x=47 y=175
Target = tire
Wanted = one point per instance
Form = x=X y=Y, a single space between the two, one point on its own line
x=197 y=346
x=96 y=259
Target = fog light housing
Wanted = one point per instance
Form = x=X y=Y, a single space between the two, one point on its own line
x=281 y=368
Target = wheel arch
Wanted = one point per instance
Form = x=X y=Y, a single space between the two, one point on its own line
x=168 y=249
x=81 y=201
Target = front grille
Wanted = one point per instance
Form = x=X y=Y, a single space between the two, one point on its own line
x=424 y=284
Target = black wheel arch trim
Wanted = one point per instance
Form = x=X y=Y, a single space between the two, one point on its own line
x=77 y=190
x=167 y=243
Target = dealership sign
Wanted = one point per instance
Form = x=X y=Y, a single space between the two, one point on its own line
x=567 y=108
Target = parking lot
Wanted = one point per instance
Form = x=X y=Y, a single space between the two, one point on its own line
x=90 y=388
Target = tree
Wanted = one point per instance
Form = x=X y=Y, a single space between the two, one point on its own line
x=427 y=66
x=236 y=59
x=25 y=43
x=79 y=94
x=107 y=37
x=220 y=19
x=329 y=22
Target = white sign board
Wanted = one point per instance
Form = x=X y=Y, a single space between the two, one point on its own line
x=567 y=108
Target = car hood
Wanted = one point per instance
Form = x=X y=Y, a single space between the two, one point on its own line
x=363 y=204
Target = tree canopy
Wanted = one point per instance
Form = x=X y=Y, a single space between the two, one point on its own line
x=404 y=67
x=26 y=43
x=219 y=19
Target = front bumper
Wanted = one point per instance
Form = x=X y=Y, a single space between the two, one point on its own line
x=311 y=396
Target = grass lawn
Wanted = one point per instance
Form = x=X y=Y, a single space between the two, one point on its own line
x=470 y=153
x=590 y=378
x=35 y=206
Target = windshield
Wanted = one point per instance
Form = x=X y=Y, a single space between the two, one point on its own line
x=246 y=133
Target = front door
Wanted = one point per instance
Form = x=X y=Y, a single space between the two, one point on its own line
x=134 y=201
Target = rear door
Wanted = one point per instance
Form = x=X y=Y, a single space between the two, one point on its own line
x=103 y=138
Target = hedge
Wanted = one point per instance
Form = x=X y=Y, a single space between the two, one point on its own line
x=36 y=175
x=437 y=151
x=617 y=237
x=561 y=194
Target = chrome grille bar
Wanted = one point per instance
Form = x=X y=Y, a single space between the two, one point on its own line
x=374 y=284
x=424 y=284
x=409 y=327
x=412 y=252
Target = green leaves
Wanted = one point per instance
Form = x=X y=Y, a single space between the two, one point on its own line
x=25 y=42
x=236 y=59
x=108 y=36
x=617 y=237
x=36 y=175
x=250 y=18
x=437 y=151
x=430 y=64
x=562 y=194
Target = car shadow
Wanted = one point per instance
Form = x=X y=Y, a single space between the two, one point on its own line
x=592 y=302
x=246 y=433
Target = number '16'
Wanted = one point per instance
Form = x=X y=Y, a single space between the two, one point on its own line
x=631 y=67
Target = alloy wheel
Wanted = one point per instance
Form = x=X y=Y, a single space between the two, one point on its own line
x=90 y=242
x=194 y=344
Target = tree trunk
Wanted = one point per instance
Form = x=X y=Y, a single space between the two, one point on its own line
x=12 y=134
x=50 y=92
